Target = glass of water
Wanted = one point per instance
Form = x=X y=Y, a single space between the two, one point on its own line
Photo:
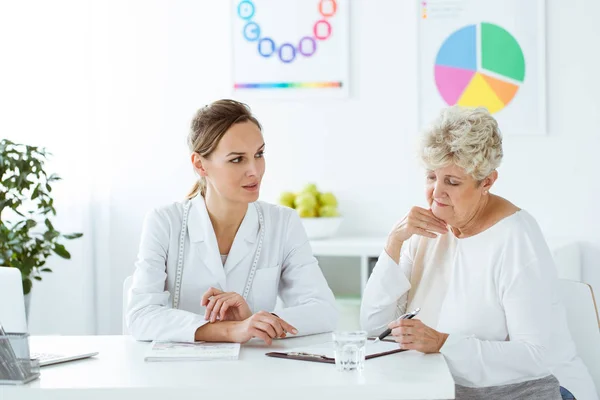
x=349 y=350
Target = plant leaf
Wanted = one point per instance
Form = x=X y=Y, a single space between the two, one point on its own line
x=61 y=251
x=49 y=224
x=73 y=236
x=46 y=270
x=27 y=284
x=37 y=278
x=36 y=193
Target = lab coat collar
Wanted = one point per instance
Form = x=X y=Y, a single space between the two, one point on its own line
x=202 y=236
x=204 y=241
x=245 y=237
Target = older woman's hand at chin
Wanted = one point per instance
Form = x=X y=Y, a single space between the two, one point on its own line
x=418 y=221
x=413 y=334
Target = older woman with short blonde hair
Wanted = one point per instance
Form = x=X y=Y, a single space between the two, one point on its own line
x=481 y=272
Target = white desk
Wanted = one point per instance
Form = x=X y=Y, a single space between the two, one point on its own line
x=119 y=372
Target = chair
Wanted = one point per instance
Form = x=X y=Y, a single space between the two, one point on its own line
x=126 y=288
x=582 y=317
x=567 y=257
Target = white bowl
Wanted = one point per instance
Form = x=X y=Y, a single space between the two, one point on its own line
x=321 y=228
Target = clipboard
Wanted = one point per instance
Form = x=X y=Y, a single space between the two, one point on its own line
x=323 y=352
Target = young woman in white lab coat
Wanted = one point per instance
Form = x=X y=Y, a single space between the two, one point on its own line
x=211 y=267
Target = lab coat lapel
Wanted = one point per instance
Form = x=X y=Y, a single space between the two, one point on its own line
x=204 y=241
x=244 y=240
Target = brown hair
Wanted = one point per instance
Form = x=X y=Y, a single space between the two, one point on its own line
x=208 y=128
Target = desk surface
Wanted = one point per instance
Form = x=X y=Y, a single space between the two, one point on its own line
x=119 y=372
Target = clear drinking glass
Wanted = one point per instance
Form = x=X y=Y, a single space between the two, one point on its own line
x=349 y=350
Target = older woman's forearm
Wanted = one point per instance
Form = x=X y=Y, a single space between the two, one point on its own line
x=385 y=295
x=475 y=362
x=393 y=248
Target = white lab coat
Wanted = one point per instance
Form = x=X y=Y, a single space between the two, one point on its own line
x=286 y=268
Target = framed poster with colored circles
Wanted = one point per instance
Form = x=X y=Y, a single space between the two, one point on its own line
x=290 y=48
x=488 y=53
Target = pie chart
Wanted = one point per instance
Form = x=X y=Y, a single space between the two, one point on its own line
x=480 y=65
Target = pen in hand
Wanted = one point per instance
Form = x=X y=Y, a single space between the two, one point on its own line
x=387 y=332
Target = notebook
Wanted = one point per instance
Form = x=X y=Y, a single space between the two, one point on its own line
x=324 y=352
x=198 y=351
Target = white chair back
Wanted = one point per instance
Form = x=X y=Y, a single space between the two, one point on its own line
x=567 y=257
x=582 y=317
x=126 y=288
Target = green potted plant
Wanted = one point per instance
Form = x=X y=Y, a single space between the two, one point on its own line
x=27 y=236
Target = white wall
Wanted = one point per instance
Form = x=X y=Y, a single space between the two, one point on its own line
x=44 y=101
x=153 y=63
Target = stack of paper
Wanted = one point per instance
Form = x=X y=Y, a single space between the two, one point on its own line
x=199 y=351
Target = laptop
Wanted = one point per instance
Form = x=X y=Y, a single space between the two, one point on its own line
x=12 y=317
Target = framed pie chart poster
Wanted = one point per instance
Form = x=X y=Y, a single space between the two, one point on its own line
x=484 y=53
x=290 y=48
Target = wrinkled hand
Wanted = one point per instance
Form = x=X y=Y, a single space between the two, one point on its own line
x=262 y=325
x=413 y=334
x=224 y=306
x=418 y=221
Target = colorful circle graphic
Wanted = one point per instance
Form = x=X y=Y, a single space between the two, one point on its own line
x=480 y=66
x=287 y=52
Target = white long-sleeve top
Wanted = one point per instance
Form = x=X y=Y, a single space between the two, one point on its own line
x=286 y=268
x=496 y=296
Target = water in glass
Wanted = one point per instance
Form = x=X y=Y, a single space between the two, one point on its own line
x=349 y=350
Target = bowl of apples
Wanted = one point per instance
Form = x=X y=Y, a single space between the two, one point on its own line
x=318 y=211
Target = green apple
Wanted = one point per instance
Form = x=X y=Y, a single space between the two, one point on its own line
x=305 y=200
x=328 y=199
x=306 y=212
x=287 y=199
x=328 y=212
x=311 y=188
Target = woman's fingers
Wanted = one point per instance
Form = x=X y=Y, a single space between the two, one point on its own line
x=287 y=327
x=267 y=328
x=224 y=302
x=277 y=322
x=432 y=222
x=426 y=212
x=274 y=322
x=427 y=226
x=209 y=307
x=218 y=304
x=224 y=309
x=425 y=222
x=255 y=332
x=425 y=233
x=208 y=294
x=216 y=310
x=429 y=215
x=415 y=335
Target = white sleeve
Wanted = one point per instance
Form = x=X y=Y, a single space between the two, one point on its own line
x=149 y=312
x=385 y=296
x=526 y=295
x=309 y=304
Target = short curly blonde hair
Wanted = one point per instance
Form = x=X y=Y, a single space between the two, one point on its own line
x=467 y=137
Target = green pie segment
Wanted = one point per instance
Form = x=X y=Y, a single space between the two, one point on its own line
x=501 y=53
